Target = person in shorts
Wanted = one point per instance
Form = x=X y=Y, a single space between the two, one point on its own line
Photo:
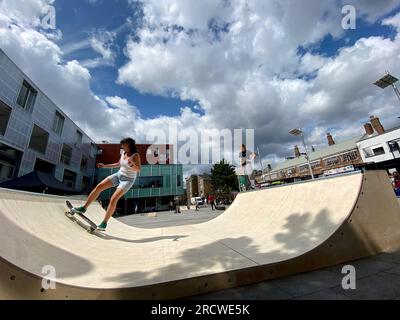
x=129 y=166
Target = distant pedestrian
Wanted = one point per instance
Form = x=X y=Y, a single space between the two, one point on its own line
x=396 y=183
x=211 y=200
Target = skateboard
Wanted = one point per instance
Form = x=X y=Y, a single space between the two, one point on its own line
x=244 y=183
x=92 y=227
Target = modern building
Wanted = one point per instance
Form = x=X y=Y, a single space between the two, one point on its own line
x=159 y=182
x=376 y=147
x=35 y=135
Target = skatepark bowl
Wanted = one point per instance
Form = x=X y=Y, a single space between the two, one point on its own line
x=265 y=234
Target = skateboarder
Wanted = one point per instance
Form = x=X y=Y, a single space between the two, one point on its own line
x=246 y=158
x=130 y=166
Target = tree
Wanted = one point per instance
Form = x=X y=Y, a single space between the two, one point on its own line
x=223 y=177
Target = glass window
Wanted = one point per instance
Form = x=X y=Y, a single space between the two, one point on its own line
x=303 y=168
x=332 y=161
x=66 y=154
x=350 y=156
x=79 y=138
x=39 y=139
x=167 y=181
x=69 y=178
x=6 y=171
x=84 y=162
x=150 y=182
x=93 y=150
x=316 y=164
x=5 y=113
x=378 y=151
x=58 y=124
x=179 y=180
x=27 y=96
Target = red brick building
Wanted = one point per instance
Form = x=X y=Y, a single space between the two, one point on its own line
x=149 y=154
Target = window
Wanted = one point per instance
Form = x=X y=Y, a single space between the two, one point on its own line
x=332 y=161
x=316 y=164
x=44 y=166
x=79 y=138
x=350 y=156
x=368 y=152
x=5 y=112
x=66 y=155
x=304 y=168
x=93 y=150
x=39 y=139
x=84 y=164
x=378 y=151
x=58 y=124
x=9 y=160
x=150 y=182
x=27 y=96
x=86 y=185
x=6 y=171
x=69 y=178
x=179 y=180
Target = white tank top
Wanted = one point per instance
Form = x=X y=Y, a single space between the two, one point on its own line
x=125 y=168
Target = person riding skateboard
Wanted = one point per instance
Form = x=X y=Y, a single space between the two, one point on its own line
x=123 y=180
x=246 y=158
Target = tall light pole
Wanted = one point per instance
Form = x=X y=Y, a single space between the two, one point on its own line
x=299 y=132
x=386 y=81
x=259 y=156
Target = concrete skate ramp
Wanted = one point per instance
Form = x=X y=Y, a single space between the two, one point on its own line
x=264 y=235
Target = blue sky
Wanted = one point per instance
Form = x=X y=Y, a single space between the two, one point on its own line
x=77 y=19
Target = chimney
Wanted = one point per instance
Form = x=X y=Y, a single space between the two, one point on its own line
x=296 y=152
x=331 y=142
x=369 y=130
x=376 y=123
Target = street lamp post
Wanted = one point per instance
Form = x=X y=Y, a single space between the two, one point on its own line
x=386 y=81
x=299 y=132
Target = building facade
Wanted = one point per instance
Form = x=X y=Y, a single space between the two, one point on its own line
x=376 y=147
x=36 y=135
x=198 y=186
x=159 y=182
x=336 y=158
x=380 y=147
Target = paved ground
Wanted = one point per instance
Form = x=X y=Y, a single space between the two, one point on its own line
x=378 y=277
x=165 y=219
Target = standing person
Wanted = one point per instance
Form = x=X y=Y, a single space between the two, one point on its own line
x=246 y=158
x=130 y=166
x=211 y=200
x=396 y=183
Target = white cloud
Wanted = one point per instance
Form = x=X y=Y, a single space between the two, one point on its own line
x=247 y=75
x=243 y=73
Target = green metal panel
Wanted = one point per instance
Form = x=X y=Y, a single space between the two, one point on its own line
x=168 y=172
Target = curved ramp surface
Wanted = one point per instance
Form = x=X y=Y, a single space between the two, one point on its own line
x=264 y=234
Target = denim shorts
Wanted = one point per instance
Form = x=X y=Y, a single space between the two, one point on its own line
x=122 y=182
